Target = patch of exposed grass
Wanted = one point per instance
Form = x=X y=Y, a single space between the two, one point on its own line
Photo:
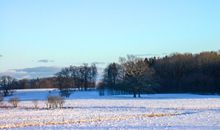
x=99 y=119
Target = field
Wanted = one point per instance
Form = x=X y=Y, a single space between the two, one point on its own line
x=87 y=110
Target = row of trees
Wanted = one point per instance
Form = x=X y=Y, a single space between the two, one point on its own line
x=77 y=77
x=8 y=84
x=69 y=78
x=80 y=77
x=132 y=75
x=188 y=72
x=176 y=73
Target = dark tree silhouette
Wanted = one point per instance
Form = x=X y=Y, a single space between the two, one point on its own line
x=137 y=74
x=6 y=85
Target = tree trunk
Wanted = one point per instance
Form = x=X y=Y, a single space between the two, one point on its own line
x=135 y=94
x=139 y=93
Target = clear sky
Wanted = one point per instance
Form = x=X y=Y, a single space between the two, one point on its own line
x=62 y=32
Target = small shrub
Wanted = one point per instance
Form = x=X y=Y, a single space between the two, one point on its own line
x=60 y=101
x=55 y=102
x=35 y=102
x=14 y=101
x=51 y=103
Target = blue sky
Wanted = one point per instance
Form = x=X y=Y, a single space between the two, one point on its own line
x=58 y=33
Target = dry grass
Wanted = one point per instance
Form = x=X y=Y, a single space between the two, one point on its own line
x=94 y=120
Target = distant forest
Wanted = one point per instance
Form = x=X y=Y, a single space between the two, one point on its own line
x=175 y=73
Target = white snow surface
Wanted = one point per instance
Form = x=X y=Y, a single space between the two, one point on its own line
x=87 y=110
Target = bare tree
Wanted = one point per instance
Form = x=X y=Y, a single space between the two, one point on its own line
x=113 y=76
x=65 y=82
x=93 y=75
x=6 y=85
x=137 y=73
x=76 y=77
x=85 y=75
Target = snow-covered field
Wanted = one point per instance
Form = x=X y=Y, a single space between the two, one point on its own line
x=86 y=110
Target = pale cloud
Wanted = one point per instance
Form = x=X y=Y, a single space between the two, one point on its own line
x=45 y=61
x=99 y=63
x=35 y=72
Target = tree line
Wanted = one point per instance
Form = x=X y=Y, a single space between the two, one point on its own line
x=68 y=79
x=77 y=77
x=175 y=73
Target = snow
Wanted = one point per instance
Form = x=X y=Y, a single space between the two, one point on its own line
x=87 y=110
x=41 y=94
